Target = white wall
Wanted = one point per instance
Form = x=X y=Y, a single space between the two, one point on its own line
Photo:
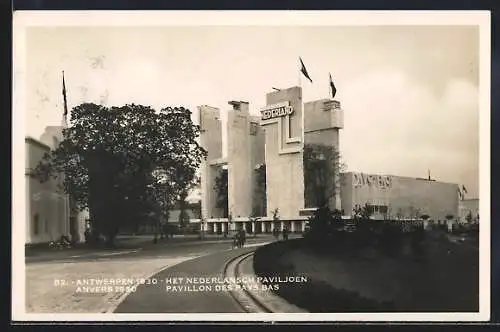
x=210 y=140
x=239 y=162
x=403 y=194
x=284 y=164
x=46 y=202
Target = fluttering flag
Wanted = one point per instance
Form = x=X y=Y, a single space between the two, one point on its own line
x=64 y=96
x=460 y=194
x=463 y=189
x=304 y=70
x=332 y=86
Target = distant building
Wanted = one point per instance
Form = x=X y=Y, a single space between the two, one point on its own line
x=398 y=197
x=192 y=210
x=47 y=207
x=48 y=213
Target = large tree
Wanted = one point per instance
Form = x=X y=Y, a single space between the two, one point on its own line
x=125 y=164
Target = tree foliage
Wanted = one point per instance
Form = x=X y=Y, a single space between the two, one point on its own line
x=362 y=212
x=260 y=203
x=221 y=189
x=125 y=163
x=324 y=222
x=322 y=179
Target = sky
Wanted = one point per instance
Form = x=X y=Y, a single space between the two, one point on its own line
x=409 y=93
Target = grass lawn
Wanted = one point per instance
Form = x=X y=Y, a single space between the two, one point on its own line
x=444 y=279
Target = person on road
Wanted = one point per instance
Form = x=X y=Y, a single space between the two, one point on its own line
x=276 y=233
x=242 y=238
x=285 y=233
x=236 y=240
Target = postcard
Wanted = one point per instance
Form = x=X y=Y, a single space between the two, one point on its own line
x=251 y=166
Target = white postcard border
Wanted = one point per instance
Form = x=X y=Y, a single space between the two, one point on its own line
x=24 y=19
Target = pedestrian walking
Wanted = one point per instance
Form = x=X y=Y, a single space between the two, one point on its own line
x=276 y=233
x=236 y=240
x=285 y=233
x=242 y=238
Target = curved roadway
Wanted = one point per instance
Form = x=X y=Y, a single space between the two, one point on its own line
x=155 y=298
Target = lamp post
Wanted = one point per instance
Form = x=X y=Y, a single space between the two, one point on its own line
x=230 y=222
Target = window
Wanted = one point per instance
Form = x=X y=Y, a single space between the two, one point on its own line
x=253 y=128
x=36 y=224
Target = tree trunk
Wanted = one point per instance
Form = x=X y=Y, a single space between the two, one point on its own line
x=156 y=231
x=102 y=198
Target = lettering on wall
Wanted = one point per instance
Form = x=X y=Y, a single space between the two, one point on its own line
x=381 y=181
x=276 y=111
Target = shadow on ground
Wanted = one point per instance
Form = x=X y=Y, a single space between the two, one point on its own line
x=444 y=277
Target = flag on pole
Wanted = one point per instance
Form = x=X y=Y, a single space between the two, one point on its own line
x=64 y=96
x=463 y=189
x=460 y=194
x=332 y=86
x=304 y=70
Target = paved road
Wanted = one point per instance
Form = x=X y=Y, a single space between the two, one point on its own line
x=141 y=250
x=156 y=299
x=42 y=296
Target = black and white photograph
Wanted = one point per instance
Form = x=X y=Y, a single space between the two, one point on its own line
x=251 y=166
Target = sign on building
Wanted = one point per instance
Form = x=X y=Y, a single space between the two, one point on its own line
x=276 y=111
x=381 y=181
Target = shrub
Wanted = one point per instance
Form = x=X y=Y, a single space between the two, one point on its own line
x=324 y=223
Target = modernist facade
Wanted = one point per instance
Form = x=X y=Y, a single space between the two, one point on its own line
x=278 y=139
x=397 y=197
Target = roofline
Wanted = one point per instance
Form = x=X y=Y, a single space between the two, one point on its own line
x=29 y=139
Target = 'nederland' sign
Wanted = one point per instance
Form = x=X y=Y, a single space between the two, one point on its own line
x=276 y=111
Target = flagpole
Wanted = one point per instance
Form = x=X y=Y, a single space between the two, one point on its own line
x=300 y=79
x=302 y=122
x=67 y=202
x=65 y=103
x=330 y=90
